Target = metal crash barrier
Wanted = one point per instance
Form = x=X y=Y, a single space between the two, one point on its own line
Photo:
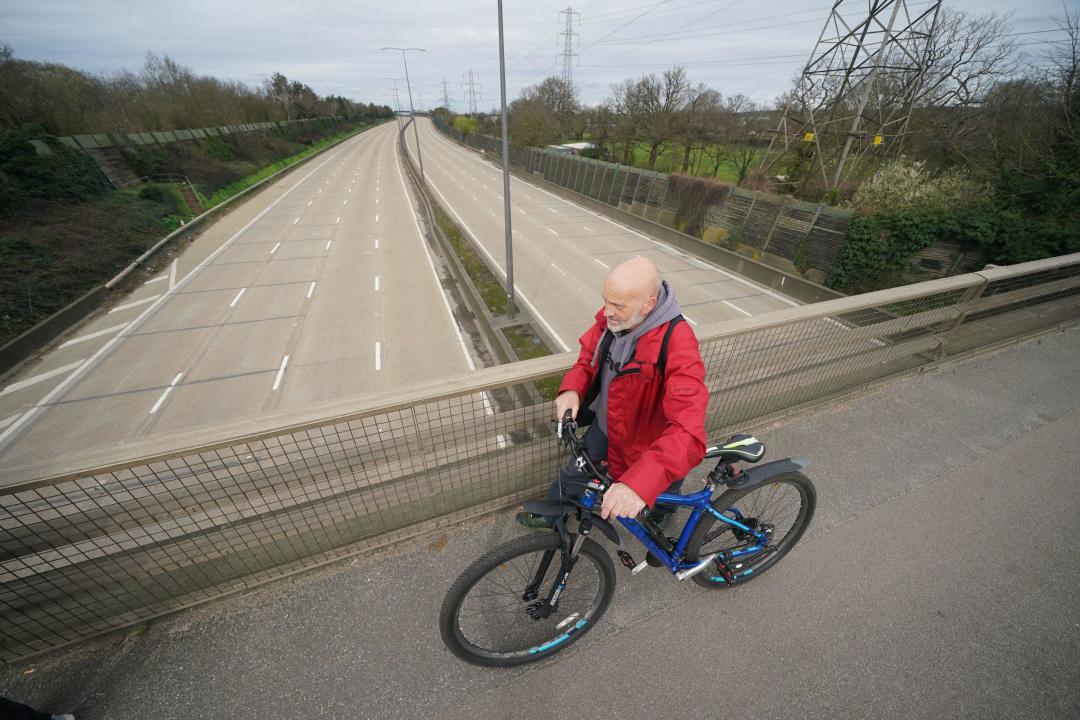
x=88 y=550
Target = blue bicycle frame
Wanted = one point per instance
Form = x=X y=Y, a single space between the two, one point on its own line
x=700 y=502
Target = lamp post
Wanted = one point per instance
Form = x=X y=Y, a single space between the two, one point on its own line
x=412 y=113
x=397 y=102
x=511 y=309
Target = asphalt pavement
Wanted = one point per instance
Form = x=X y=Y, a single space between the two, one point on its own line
x=318 y=288
x=562 y=251
x=939 y=580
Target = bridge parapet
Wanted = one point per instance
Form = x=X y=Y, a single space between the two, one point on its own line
x=95 y=543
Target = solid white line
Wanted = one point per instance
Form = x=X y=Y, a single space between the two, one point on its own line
x=608 y=220
x=434 y=272
x=159 y=278
x=378 y=355
x=91 y=336
x=118 y=308
x=40 y=378
x=274 y=250
x=737 y=308
x=602 y=263
x=166 y=393
x=328 y=243
x=172 y=274
x=310 y=290
x=552 y=232
x=7 y=434
x=238 y=296
x=280 y=372
x=377 y=283
x=13 y=418
x=524 y=299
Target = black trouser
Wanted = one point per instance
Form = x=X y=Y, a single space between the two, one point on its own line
x=596 y=444
x=11 y=710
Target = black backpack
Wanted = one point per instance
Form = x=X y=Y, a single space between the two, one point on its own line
x=586 y=416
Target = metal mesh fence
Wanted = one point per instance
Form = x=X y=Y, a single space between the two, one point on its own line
x=110 y=547
x=93 y=551
x=761 y=221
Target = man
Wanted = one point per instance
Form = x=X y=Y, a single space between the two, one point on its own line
x=647 y=405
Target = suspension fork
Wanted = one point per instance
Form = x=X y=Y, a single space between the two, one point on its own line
x=571 y=547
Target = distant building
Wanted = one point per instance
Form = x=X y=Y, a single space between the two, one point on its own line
x=571 y=148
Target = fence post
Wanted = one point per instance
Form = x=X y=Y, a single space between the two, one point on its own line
x=610 y=188
x=652 y=186
x=776 y=222
x=633 y=195
x=662 y=200
x=750 y=211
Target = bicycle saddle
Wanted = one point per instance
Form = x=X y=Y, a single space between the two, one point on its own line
x=738 y=447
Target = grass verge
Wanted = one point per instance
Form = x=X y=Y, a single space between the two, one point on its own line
x=528 y=345
x=491 y=292
x=245 y=182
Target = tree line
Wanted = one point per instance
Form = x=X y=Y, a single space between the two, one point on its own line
x=982 y=106
x=162 y=95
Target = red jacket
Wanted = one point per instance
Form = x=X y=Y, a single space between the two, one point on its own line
x=656 y=426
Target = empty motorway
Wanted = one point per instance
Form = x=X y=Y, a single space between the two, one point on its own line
x=562 y=251
x=317 y=289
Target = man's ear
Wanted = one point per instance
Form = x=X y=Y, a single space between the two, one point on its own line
x=649 y=305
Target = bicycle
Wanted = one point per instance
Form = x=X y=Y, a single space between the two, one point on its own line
x=508 y=608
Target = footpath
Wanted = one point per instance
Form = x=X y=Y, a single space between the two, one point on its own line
x=940 y=579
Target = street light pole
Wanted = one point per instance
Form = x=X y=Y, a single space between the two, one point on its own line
x=397 y=102
x=412 y=112
x=511 y=309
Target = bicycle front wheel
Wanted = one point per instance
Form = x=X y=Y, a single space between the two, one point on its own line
x=783 y=507
x=485 y=617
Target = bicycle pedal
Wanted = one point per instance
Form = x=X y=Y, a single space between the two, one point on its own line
x=626 y=559
x=639 y=567
x=653 y=560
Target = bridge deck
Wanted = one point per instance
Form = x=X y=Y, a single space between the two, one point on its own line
x=939 y=580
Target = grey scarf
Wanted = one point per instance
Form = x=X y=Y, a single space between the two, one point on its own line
x=623 y=345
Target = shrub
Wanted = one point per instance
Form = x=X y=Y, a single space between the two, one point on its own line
x=903 y=185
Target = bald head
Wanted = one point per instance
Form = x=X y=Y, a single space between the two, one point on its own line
x=630 y=292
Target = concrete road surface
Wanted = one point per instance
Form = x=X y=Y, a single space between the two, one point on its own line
x=562 y=251
x=939 y=579
x=318 y=288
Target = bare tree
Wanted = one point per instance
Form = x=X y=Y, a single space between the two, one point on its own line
x=661 y=100
x=700 y=113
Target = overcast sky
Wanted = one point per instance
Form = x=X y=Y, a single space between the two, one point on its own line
x=752 y=47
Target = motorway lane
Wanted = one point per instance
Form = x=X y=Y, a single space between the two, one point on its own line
x=290 y=273
x=562 y=251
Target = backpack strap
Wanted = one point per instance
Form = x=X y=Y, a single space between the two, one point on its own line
x=661 y=359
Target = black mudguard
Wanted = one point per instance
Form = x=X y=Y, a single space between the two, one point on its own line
x=553 y=507
x=760 y=474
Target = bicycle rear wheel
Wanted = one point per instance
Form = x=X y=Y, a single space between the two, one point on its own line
x=485 y=618
x=785 y=505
